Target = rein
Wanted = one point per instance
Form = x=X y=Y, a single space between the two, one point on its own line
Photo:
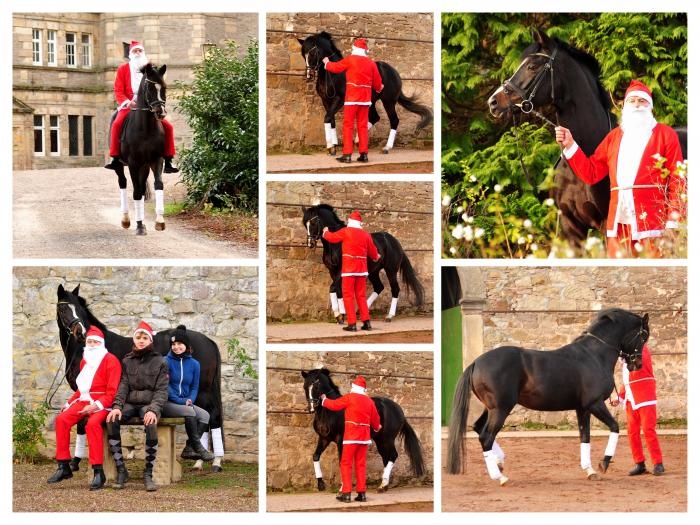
x=151 y=105
x=318 y=66
x=316 y=401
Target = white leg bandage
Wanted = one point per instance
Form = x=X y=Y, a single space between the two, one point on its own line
x=585 y=456
x=390 y=140
x=372 y=298
x=498 y=451
x=387 y=473
x=216 y=442
x=204 y=440
x=392 y=308
x=216 y=462
x=140 y=207
x=341 y=306
x=334 y=304
x=124 y=202
x=369 y=125
x=80 y=442
x=612 y=444
x=334 y=136
x=317 y=469
x=329 y=135
x=492 y=465
x=160 y=205
x=198 y=465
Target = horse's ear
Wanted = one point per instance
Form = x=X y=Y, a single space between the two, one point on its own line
x=61 y=291
x=303 y=209
x=304 y=374
x=539 y=36
x=300 y=41
x=325 y=371
x=162 y=69
x=645 y=320
x=76 y=290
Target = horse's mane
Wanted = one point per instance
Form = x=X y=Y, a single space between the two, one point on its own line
x=330 y=380
x=613 y=314
x=91 y=317
x=327 y=36
x=329 y=208
x=592 y=65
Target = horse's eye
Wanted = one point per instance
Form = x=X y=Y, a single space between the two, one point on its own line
x=531 y=67
x=506 y=91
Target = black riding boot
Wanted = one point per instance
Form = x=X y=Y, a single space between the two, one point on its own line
x=75 y=464
x=361 y=496
x=99 y=478
x=344 y=158
x=169 y=168
x=62 y=472
x=344 y=497
x=151 y=450
x=639 y=468
x=363 y=158
x=148 y=479
x=194 y=434
x=114 y=164
x=115 y=447
x=658 y=469
x=366 y=325
x=350 y=328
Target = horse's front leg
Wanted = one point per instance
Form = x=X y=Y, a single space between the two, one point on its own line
x=329 y=122
x=394 y=123
x=338 y=283
x=160 y=203
x=320 y=447
x=124 y=202
x=335 y=301
x=138 y=182
x=584 y=431
x=600 y=411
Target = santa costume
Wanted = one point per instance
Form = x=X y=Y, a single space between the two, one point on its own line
x=98 y=380
x=360 y=415
x=638 y=395
x=126 y=86
x=361 y=77
x=357 y=246
x=642 y=158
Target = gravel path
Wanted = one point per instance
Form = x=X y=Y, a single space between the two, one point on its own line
x=321 y=161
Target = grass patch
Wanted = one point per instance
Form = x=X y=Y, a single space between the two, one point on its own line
x=174 y=208
x=672 y=423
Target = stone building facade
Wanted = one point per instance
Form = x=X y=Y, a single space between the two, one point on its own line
x=63 y=75
x=546 y=308
x=405 y=377
x=297 y=279
x=403 y=40
x=221 y=302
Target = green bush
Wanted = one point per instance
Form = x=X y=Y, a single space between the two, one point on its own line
x=242 y=362
x=221 y=108
x=27 y=431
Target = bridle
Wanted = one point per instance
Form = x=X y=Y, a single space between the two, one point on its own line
x=642 y=335
x=153 y=105
x=319 y=62
x=526 y=105
x=311 y=240
x=68 y=327
x=315 y=401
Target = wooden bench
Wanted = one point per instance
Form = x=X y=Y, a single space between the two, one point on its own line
x=167 y=468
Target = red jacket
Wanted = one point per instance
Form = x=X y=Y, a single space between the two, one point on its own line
x=357 y=246
x=361 y=76
x=653 y=205
x=639 y=388
x=360 y=414
x=122 y=84
x=104 y=384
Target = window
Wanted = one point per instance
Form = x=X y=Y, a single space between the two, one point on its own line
x=86 y=51
x=36 y=47
x=54 y=136
x=51 y=50
x=73 y=135
x=39 y=135
x=87 y=136
x=70 y=49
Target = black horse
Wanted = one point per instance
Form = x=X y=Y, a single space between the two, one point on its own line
x=561 y=84
x=142 y=145
x=578 y=376
x=330 y=426
x=74 y=318
x=331 y=88
x=393 y=260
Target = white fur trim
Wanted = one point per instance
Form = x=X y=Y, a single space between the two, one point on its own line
x=354 y=275
x=216 y=442
x=640 y=94
x=612 y=444
x=353 y=442
x=359 y=51
x=373 y=297
x=358 y=104
x=352 y=223
x=585 y=456
x=357 y=389
x=570 y=151
x=317 y=469
x=149 y=334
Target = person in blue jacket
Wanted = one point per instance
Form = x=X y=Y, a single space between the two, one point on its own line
x=182 y=393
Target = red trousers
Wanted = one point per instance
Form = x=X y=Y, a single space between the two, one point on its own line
x=350 y=113
x=70 y=417
x=354 y=289
x=357 y=454
x=643 y=418
x=627 y=247
x=115 y=146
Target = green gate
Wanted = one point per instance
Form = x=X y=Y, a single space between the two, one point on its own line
x=451 y=358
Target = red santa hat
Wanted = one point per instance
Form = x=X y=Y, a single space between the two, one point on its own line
x=355 y=216
x=95 y=333
x=638 y=89
x=135 y=45
x=360 y=382
x=359 y=45
x=145 y=328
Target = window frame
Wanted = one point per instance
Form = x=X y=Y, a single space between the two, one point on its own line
x=57 y=129
x=51 y=47
x=37 y=47
x=41 y=128
x=83 y=47
x=74 y=53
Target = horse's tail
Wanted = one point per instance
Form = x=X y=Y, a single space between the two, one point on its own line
x=411 y=105
x=410 y=280
x=217 y=417
x=413 y=449
x=458 y=422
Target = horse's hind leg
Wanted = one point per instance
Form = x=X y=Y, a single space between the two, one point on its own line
x=487 y=438
x=377 y=287
x=160 y=203
x=373 y=118
x=124 y=202
x=478 y=426
x=600 y=411
x=395 y=289
x=394 y=123
x=389 y=455
x=341 y=303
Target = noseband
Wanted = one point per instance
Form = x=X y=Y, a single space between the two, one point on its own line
x=153 y=106
x=68 y=325
x=315 y=401
x=319 y=63
x=311 y=240
x=526 y=106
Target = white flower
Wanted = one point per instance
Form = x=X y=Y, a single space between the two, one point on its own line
x=497 y=188
x=549 y=202
x=638 y=246
x=453 y=250
x=472 y=178
x=527 y=223
x=570 y=253
x=479 y=232
x=657 y=156
x=534 y=247
x=460 y=209
x=470 y=220
x=643 y=215
x=446 y=200
x=469 y=233
x=521 y=240
x=458 y=232
x=675 y=215
x=592 y=242
x=465 y=217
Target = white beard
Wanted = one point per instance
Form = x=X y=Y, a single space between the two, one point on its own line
x=637 y=121
x=93 y=357
x=135 y=64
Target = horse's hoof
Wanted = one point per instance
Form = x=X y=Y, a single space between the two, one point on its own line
x=385 y=151
x=593 y=475
x=332 y=151
x=126 y=222
x=160 y=226
x=382 y=489
x=388 y=319
x=321 y=485
x=141 y=230
x=216 y=468
x=503 y=480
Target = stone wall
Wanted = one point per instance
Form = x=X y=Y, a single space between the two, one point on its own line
x=405 y=377
x=298 y=281
x=221 y=302
x=404 y=40
x=546 y=308
x=174 y=39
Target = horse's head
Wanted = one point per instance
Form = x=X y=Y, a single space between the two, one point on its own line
x=71 y=314
x=315 y=219
x=152 y=92
x=315 y=48
x=533 y=83
x=629 y=330
x=632 y=345
x=317 y=382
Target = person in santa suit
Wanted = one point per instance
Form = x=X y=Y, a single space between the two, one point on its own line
x=357 y=246
x=97 y=382
x=126 y=87
x=638 y=395
x=360 y=415
x=361 y=77
x=644 y=202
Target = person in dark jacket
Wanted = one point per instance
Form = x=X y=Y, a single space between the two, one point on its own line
x=142 y=392
x=182 y=393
